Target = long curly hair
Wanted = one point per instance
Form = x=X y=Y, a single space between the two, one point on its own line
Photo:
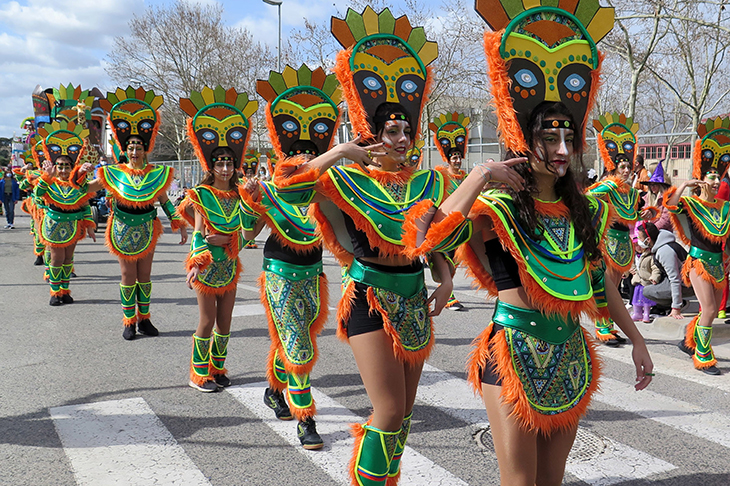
x=567 y=187
x=209 y=177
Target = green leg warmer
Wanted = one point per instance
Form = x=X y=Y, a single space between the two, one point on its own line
x=128 y=303
x=66 y=278
x=704 y=356
x=218 y=353
x=604 y=329
x=300 y=396
x=400 y=445
x=55 y=279
x=199 y=361
x=373 y=453
x=144 y=294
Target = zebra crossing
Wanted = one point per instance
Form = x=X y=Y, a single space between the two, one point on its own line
x=112 y=442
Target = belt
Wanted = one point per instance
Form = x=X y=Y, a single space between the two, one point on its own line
x=706 y=256
x=405 y=284
x=292 y=271
x=64 y=216
x=618 y=234
x=554 y=329
x=134 y=219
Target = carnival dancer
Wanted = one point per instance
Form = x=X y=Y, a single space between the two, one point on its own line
x=705 y=227
x=451 y=137
x=616 y=141
x=249 y=168
x=363 y=210
x=536 y=244
x=219 y=129
x=134 y=186
x=301 y=117
x=27 y=177
x=66 y=216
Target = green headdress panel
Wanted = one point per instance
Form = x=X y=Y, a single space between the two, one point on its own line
x=65 y=99
x=712 y=150
x=450 y=133
x=218 y=118
x=542 y=50
x=385 y=61
x=61 y=137
x=133 y=112
x=616 y=139
x=302 y=112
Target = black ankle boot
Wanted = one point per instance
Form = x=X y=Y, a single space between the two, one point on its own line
x=308 y=436
x=145 y=327
x=129 y=333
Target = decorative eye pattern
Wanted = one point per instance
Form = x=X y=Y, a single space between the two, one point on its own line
x=74 y=148
x=145 y=125
x=208 y=135
x=574 y=82
x=610 y=145
x=445 y=142
x=122 y=124
x=55 y=148
x=371 y=83
x=320 y=127
x=289 y=126
x=408 y=86
x=628 y=146
x=236 y=135
x=460 y=139
x=725 y=158
x=526 y=78
x=708 y=154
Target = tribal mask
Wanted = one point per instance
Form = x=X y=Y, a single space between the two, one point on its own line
x=616 y=139
x=544 y=53
x=251 y=161
x=385 y=61
x=414 y=154
x=133 y=112
x=712 y=150
x=218 y=118
x=63 y=138
x=271 y=159
x=65 y=99
x=302 y=112
x=450 y=132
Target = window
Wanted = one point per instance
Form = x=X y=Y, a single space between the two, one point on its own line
x=681 y=151
x=675 y=173
x=653 y=151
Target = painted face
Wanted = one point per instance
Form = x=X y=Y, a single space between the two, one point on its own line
x=712 y=177
x=620 y=144
x=550 y=58
x=553 y=155
x=396 y=138
x=385 y=69
x=455 y=160
x=452 y=135
x=716 y=151
x=305 y=120
x=64 y=143
x=135 y=150
x=221 y=125
x=223 y=167
x=133 y=117
x=64 y=166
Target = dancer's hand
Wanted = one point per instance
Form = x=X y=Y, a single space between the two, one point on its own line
x=192 y=276
x=252 y=187
x=644 y=365
x=440 y=297
x=503 y=172
x=676 y=313
x=217 y=239
x=49 y=168
x=86 y=167
x=183 y=235
x=91 y=233
x=362 y=156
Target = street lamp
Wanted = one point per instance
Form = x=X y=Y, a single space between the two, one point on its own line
x=277 y=3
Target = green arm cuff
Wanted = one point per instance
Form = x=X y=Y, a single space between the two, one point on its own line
x=249 y=217
x=458 y=236
x=87 y=213
x=169 y=210
x=200 y=255
x=300 y=194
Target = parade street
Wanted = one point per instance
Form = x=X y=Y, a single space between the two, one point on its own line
x=81 y=406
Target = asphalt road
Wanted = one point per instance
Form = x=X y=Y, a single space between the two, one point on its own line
x=79 y=405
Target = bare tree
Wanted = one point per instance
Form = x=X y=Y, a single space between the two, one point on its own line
x=183 y=47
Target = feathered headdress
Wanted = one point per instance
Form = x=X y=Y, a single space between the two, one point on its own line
x=712 y=150
x=302 y=112
x=61 y=137
x=65 y=99
x=271 y=160
x=218 y=118
x=543 y=50
x=450 y=133
x=616 y=138
x=132 y=112
x=385 y=60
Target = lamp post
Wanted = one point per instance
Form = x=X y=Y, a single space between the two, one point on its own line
x=277 y=3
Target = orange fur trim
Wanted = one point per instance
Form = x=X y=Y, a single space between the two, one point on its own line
x=657 y=212
x=356 y=111
x=302 y=414
x=293 y=170
x=607 y=162
x=596 y=83
x=80 y=204
x=696 y=264
x=156 y=233
x=273 y=135
x=201 y=260
x=197 y=149
x=177 y=224
x=274 y=382
x=701 y=365
x=327 y=232
x=411 y=230
x=182 y=210
x=197 y=379
x=481 y=279
x=437 y=144
x=720 y=240
x=112 y=191
x=689 y=333
x=129 y=321
x=539 y=298
x=510 y=131
x=384 y=177
x=358 y=432
x=697 y=160
x=437 y=232
x=478 y=357
x=556 y=209
x=314 y=329
x=231 y=287
x=411 y=357
x=514 y=394
x=344 y=309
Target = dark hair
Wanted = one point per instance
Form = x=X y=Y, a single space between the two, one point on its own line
x=383 y=114
x=566 y=187
x=649 y=229
x=209 y=178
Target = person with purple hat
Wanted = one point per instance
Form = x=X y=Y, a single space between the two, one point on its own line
x=657 y=185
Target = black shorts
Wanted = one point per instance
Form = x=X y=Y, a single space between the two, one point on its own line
x=361 y=319
x=490 y=375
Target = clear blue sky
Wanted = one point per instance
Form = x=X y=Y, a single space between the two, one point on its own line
x=49 y=42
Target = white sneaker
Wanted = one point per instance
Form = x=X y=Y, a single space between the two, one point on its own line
x=11 y=226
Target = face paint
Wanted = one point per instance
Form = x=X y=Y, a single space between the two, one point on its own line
x=133 y=112
x=555 y=152
x=62 y=138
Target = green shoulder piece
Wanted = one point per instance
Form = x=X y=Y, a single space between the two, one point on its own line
x=557 y=262
x=714 y=220
x=625 y=203
x=134 y=188
x=290 y=221
x=299 y=194
x=223 y=214
x=599 y=213
x=249 y=216
x=384 y=206
x=63 y=195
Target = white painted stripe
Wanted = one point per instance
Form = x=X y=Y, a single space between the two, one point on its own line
x=248 y=287
x=248 y=310
x=454 y=396
x=681 y=415
x=122 y=442
x=682 y=368
x=333 y=424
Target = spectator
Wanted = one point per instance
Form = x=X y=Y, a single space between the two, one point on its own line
x=654 y=198
x=640 y=173
x=645 y=273
x=669 y=257
x=11 y=194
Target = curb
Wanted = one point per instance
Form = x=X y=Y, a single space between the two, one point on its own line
x=669 y=328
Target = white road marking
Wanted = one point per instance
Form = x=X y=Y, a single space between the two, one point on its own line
x=122 y=442
x=248 y=310
x=333 y=424
x=616 y=464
